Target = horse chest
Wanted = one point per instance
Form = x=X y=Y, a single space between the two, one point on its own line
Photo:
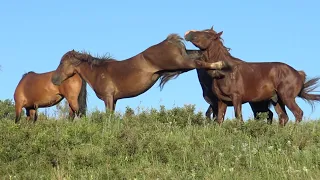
x=222 y=90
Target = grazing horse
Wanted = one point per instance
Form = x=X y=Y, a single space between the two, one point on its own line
x=37 y=91
x=244 y=82
x=112 y=80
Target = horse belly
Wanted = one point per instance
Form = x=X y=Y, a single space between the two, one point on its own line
x=47 y=101
x=259 y=93
x=133 y=87
x=44 y=101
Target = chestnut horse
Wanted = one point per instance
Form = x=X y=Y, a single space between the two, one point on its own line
x=37 y=91
x=253 y=82
x=112 y=80
x=206 y=80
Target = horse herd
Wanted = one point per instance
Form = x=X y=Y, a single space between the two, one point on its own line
x=225 y=80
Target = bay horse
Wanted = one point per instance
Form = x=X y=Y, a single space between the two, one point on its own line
x=112 y=80
x=206 y=82
x=273 y=82
x=37 y=91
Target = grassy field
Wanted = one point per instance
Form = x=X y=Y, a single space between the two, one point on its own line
x=158 y=144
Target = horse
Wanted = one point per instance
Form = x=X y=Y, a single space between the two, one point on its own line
x=112 y=80
x=205 y=80
x=37 y=91
x=271 y=82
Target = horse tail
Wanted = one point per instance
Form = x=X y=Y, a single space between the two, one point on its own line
x=82 y=98
x=308 y=87
x=166 y=76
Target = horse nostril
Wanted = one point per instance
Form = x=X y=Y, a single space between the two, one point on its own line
x=55 y=80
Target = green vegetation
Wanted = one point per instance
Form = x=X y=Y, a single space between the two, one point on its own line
x=165 y=144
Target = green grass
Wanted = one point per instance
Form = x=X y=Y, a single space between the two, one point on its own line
x=164 y=144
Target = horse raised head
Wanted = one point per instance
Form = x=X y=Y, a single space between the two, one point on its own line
x=202 y=39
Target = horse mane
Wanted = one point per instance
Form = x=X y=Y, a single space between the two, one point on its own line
x=85 y=56
x=177 y=40
x=27 y=74
x=221 y=52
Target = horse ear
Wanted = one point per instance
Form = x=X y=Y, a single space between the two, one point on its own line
x=211 y=27
x=219 y=34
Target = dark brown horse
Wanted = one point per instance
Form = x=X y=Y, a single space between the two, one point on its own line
x=253 y=82
x=37 y=91
x=206 y=82
x=112 y=80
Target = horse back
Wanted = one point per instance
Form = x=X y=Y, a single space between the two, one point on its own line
x=33 y=81
x=256 y=81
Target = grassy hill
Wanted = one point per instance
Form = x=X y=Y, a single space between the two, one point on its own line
x=158 y=144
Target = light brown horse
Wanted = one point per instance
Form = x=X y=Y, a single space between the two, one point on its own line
x=37 y=91
x=253 y=82
x=113 y=80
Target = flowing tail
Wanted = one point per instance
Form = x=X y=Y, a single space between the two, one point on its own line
x=82 y=99
x=308 y=87
x=166 y=76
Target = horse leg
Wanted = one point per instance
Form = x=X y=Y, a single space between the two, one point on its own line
x=109 y=103
x=73 y=106
x=72 y=113
x=282 y=114
x=114 y=104
x=222 y=108
x=209 y=112
x=236 y=101
x=28 y=114
x=210 y=108
x=294 y=108
x=33 y=115
x=262 y=107
x=289 y=101
x=18 y=109
x=194 y=63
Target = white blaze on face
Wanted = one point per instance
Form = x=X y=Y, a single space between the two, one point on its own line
x=189 y=32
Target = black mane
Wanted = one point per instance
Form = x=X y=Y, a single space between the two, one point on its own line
x=87 y=57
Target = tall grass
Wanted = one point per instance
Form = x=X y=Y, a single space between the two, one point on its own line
x=158 y=144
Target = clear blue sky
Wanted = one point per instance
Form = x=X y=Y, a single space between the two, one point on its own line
x=35 y=34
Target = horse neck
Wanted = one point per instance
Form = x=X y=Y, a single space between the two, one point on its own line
x=220 y=53
x=86 y=71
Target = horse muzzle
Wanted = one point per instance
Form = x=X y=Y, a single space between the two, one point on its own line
x=56 y=80
x=188 y=36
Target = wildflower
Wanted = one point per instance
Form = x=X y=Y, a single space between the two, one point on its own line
x=221 y=154
x=231 y=169
x=237 y=158
x=254 y=151
x=305 y=169
x=289 y=142
x=244 y=146
x=270 y=148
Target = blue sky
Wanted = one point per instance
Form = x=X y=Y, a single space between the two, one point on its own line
x=35 y=34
